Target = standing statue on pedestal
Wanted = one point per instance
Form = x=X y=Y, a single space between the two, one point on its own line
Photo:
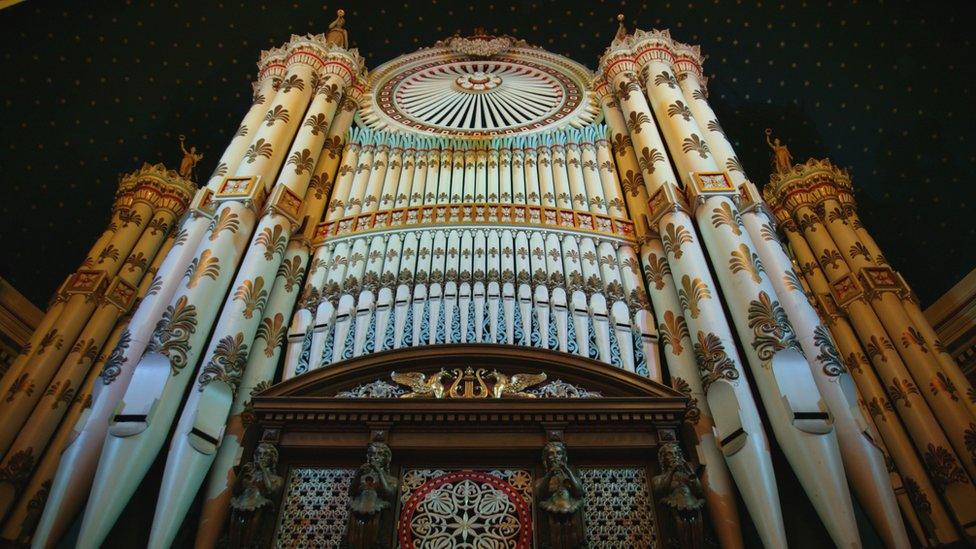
x=372 y=496
x=337 y=33
x=190 y=159
x=782 y=159
x=559 y=495
x=251 y=508
x=681 y=493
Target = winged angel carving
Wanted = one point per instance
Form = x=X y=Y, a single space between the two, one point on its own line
x=420 y=385
x=515 y=385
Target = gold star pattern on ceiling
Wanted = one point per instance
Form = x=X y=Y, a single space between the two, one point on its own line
x=95 y=90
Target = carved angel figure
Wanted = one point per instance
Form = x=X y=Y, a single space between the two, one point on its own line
x=420 y=385
x=337 y=33
x=514 y=386
x=782 y=159
x=190 y=159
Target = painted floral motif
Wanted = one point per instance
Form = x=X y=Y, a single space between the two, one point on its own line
x=674 y=237
x=226 y=220
x=648 y=158
x=273 y=240
x=113 y=365
x=291 y=271
x=227 y=363
x=678 y=108
x=876 y=348
x=23 y=384
x=695 y=144
x=302 y=160
x=901 y=390
x=272 y=330
x=833 y=365
x=205 y=266
x=713 y=362
x=636 y=121
x=292 y=82
x=792 y=281
x=941 y=382
x=913 y=337
x=673 y=330
x=18 y=468
x=770 y=326
x=317 y=123
x=253 y=294
x=943 y=467
x=691 y=293
x=692 y=412
x=258 y=148
x=745 y=260
x=172 y=334
x=666 y=79
x=656 y=269
x=725 y=215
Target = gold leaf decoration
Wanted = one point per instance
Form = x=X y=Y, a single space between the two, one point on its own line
x=253 y=294
x=273 y=240
x=744 y=259
x=674 y=237
x=204 y=266
x=725 y=215
x=272 y=331
x=226 y=220
x=691 y=293
x=673 y=330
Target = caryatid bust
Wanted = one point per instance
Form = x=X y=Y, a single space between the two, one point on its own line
x=254 y=494
x=680 y=491
x=559 y=495
x=372 y=496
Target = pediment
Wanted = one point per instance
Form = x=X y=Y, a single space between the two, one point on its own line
x=565 y=375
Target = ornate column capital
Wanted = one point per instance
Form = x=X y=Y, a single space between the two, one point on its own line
x=271 y=64
x=157 y=186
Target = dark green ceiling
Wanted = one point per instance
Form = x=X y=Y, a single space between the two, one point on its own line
x=94 y=89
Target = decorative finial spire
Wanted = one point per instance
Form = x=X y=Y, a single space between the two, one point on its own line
x=337 y=33
x=621 y=29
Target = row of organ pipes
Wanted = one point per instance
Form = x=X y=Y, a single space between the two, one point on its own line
x=624 y=242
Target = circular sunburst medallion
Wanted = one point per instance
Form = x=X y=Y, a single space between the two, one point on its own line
x=440 y=91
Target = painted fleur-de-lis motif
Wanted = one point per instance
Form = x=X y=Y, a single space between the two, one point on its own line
x=714 y=126
x=292 y=82
x=155 y=286
x=220 y=170
x=943 y=467
x=590 y=257
x=674 y=237
x=227 y=362
x=859 y=249
x=678 y=108
x=619 y=143
x=876 y=347
x=625 y=88
x=692 y=292
x=699 y=94
x=273 y=240
x=713 y=361
x=734 y=165
x=226 y=220
x=913 y=337
x=609 y=261
x=331 y=92
x=62 y=391
x=767 y=233
x=696 y=144
x=157 y=225
x=318 y=184
x=656 y=269
x=128 y=216
x=23 y=384
x=290 y=271
x=317 y=123
x=204 y=266
x=771 y=328
x=941 y=382
x=258 y=148
x=831 y=257
x=636 y=121
x=665 y=78
x=828 y=355
x=272 y=330
x=745 y=260
x=302 y=160
x=136 y=261
x=725 y=215
x=632 y=182
x=173 y=332
x=649 y=158
x=278 y=113
x=108 y=252
x=673 y=330
x=792 y=281
x=241 y=131
x=836 y=215
x=253 y=295
x=259 y=99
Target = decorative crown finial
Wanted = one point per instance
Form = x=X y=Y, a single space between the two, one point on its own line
x=621 y=29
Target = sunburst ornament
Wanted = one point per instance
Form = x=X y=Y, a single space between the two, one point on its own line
x=518 y=90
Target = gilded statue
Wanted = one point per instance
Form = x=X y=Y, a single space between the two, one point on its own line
x=337 y=33
x=251 y=512
x=680 y=491
x=559 y=495
x=372 y=497
x=782 y=159
x=190 y=159
x=420 y=385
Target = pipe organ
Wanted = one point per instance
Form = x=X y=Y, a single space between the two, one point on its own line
x=477 y=206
